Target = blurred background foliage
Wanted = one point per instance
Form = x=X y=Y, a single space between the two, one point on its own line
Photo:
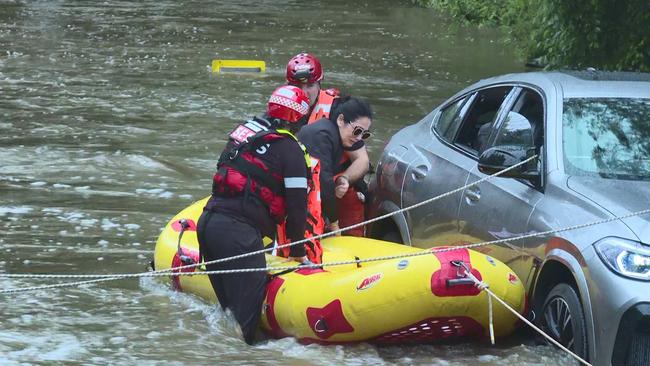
x=605 y=34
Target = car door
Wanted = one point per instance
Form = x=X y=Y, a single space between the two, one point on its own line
x=500 y=208
x=440 y=162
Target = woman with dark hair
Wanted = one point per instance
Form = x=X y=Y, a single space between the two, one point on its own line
x=326 y=139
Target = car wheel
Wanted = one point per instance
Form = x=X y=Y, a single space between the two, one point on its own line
x=392 y=236
x=563 y=319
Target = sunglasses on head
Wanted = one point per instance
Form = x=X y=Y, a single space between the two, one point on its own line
x=358 y=130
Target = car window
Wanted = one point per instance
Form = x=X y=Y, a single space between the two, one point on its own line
x=516 y=130
x=449 y=120
x=482 y=113
x=524 y=124
x=531 y=105
x=607 y=137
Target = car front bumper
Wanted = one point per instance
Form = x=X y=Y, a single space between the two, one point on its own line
x=621 y=316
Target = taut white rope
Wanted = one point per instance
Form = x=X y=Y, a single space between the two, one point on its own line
x=167 y=272
x=484 y=287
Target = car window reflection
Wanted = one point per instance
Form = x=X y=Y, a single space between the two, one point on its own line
x=607 y=137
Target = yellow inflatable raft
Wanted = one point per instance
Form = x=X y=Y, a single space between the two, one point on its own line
x=423 y=298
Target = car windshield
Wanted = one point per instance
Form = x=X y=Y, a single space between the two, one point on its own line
x=607 y=137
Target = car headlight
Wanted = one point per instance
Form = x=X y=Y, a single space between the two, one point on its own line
x=625 y=257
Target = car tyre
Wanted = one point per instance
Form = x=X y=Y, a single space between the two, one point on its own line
x=639 y=351
x=563 y=319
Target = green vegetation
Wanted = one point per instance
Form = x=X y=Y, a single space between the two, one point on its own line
x=605 y=34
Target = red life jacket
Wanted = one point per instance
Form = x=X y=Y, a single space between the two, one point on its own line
x=315 y=224
x=241 y=172
x=354 y=209
x=353 y=212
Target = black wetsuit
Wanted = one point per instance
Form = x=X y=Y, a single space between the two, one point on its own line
x=231 y=226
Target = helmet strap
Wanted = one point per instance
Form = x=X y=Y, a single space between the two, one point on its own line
x=269 y=121
x=277 y=123
x=294 y=127
x=280 y=123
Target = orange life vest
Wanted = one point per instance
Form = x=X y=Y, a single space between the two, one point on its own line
x=315 y=224
x=324 y=105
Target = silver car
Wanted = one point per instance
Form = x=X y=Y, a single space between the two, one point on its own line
x=589 y=287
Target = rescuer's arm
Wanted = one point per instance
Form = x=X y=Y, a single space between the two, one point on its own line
x=295 y=184
x=324 y=151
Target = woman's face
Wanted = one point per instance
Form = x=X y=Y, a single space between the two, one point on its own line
x=353 y=131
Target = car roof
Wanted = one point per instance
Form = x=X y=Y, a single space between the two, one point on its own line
x=587 y=83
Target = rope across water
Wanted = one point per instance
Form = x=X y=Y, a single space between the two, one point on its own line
x=168 y=272
x=485 y=287
x=177 y=271
x=332 y=233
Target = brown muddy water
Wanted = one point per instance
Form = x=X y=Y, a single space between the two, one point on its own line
x=110 y=123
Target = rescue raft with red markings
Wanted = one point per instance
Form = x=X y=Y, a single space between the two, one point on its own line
x=425 y=298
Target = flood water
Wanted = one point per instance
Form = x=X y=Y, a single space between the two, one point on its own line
x=110 y=123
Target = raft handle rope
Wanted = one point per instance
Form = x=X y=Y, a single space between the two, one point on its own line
x=485 y=287
x=306 y=264
x=185 y=259
x=320 y=326
x=469 y=278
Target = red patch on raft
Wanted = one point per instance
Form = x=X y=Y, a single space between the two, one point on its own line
x=448 y=271
x=176 y=262
x=176 y=225
x=328 y=320
x=269 y=307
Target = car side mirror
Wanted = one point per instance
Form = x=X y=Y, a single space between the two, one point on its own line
x=498 y=158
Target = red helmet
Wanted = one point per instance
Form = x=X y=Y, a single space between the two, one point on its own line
x=304 y=68
x=288 y=103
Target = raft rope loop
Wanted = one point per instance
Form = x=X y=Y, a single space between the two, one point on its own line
x=485 y=287
x=481 y=286
x=181 y=255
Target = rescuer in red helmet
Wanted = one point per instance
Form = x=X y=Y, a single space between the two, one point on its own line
x=305 y=71
x=261 y=181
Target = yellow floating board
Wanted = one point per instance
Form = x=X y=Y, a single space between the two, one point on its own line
x=238 y=66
